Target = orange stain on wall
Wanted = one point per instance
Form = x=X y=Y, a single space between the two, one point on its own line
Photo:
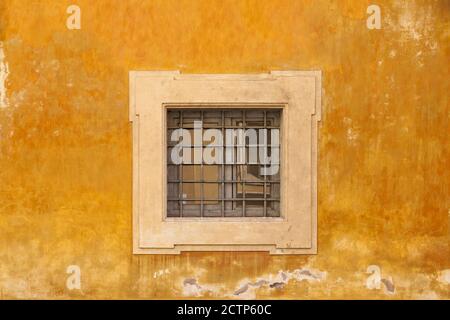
x=65 y=145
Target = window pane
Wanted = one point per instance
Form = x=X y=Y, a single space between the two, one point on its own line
x=237 y=176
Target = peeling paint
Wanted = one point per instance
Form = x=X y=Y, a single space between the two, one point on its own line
x=242 y=289
x=160 y=273
x=191 y=288
x=389 y=284
x=444 y=276
x=247 y=290
x=428 y=295
x=4 y=72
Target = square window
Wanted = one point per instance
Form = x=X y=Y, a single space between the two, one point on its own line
x=225 y=162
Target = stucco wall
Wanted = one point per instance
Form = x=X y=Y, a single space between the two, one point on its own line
x=65 y=144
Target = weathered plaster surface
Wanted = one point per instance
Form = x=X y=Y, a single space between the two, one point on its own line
x=65 y=150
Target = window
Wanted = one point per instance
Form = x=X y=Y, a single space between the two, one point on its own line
x=225 y=162
x=237 y=173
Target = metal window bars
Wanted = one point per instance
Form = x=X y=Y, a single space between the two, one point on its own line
x=224 y=189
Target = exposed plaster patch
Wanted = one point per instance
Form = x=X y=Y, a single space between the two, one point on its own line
x=419 y=58
x=352 y=131
x=375 y=280
x=352 y=135
x=4 y=72
x=389 y=285
x=428 y=295
x=247 y=289
x=415 y=23
x=277 y=285
x=347 y=244
x=160 y=273
x=17 y=97
x=16 y=288
x=191 y=288
x=408 y=22
x=241 y=290
x=444 y=276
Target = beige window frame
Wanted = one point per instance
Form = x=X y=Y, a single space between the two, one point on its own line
x=299 y=95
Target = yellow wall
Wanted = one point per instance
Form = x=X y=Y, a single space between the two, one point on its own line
x=65 y=144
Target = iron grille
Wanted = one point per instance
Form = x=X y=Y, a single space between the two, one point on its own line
x=236 y=186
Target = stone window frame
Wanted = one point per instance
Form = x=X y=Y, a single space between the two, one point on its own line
x=299 y=94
